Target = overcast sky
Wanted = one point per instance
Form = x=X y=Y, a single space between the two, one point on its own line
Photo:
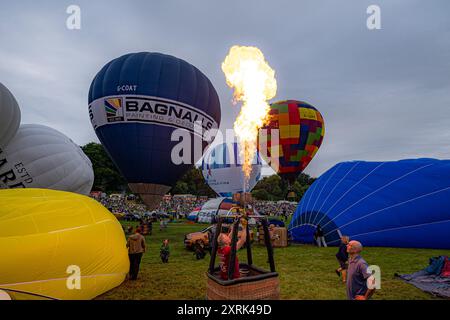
x=384 y=94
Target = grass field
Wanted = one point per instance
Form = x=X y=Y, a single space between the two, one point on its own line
x=306 y=272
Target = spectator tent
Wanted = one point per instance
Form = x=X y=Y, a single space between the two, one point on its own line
x=217 y=206
x=389 y=204
x=214 y=207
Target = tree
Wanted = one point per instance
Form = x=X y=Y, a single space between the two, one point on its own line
x=181 y=187
x=260 y=194
x=192 y=182
x=106 y=176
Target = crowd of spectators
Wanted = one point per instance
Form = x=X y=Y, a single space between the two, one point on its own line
x=181 y=204
x=275 y=208
x=119 y=203
x=130 y=204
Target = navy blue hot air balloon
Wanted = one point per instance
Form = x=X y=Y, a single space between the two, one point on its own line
x=389 y=204
x=135 y=104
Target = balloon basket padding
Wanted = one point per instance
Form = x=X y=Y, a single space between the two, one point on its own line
x=254 y=284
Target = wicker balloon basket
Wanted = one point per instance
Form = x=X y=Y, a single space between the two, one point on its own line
x=254 y=283
x=257 y=284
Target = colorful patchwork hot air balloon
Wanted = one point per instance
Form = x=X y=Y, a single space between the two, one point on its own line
x=300 y=131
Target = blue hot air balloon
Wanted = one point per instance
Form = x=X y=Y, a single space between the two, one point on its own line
x=389 y=204
x=222 y=170
x=136 y=102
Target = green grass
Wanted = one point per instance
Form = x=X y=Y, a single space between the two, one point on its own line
x=306 y=272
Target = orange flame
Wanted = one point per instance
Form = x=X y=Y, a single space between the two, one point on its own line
x=254 y=83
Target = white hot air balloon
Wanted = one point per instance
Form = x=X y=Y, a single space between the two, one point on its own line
x=9 y=116
x=41 y=157
x=222 y=170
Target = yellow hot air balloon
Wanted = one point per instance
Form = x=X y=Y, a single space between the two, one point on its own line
x=58 y=245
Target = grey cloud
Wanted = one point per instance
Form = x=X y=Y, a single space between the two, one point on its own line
x=384 y=94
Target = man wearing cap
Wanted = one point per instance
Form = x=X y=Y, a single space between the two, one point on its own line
x=357 y=274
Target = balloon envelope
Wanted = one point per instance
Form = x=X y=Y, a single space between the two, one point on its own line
x=222 y=170
x=301 y=129
x=389 y=204
x=45 y=235
x=41 y=157
x=136 y=102
x=9 y=116
x=214 y=207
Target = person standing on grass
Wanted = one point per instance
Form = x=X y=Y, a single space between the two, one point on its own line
x=199 y=250
x=357 y=274
x=164 y=251
x=150 y=226
x=318 y=235
x=342 y=257
x=136 y=248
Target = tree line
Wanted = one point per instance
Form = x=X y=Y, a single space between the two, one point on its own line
x=108 y=179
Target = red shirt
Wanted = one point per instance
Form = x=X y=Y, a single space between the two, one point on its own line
x=224 y=254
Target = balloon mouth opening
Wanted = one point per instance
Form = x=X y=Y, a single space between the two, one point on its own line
x=151 y=194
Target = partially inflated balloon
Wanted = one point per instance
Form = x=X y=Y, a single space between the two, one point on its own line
x=401 y=204
x=41 y=157
x=222 y=170
x=136 y=102
x=9 y=116
x=49 y=237
x=300 y=130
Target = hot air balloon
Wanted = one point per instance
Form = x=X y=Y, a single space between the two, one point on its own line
x=387 y=204
x=300 y=130
x=10 y=116
x=49 y=237
x=42 y=157
x=136 y=102
x=222 y=170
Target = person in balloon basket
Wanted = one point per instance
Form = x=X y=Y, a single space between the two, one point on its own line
x=164 y=251
x=136 y=248
x=358 y=276
x=319 y=236
x=342 y=258
x=150 y=226
x=224 y=251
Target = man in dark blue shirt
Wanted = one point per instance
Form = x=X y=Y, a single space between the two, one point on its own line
x=357 y=274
